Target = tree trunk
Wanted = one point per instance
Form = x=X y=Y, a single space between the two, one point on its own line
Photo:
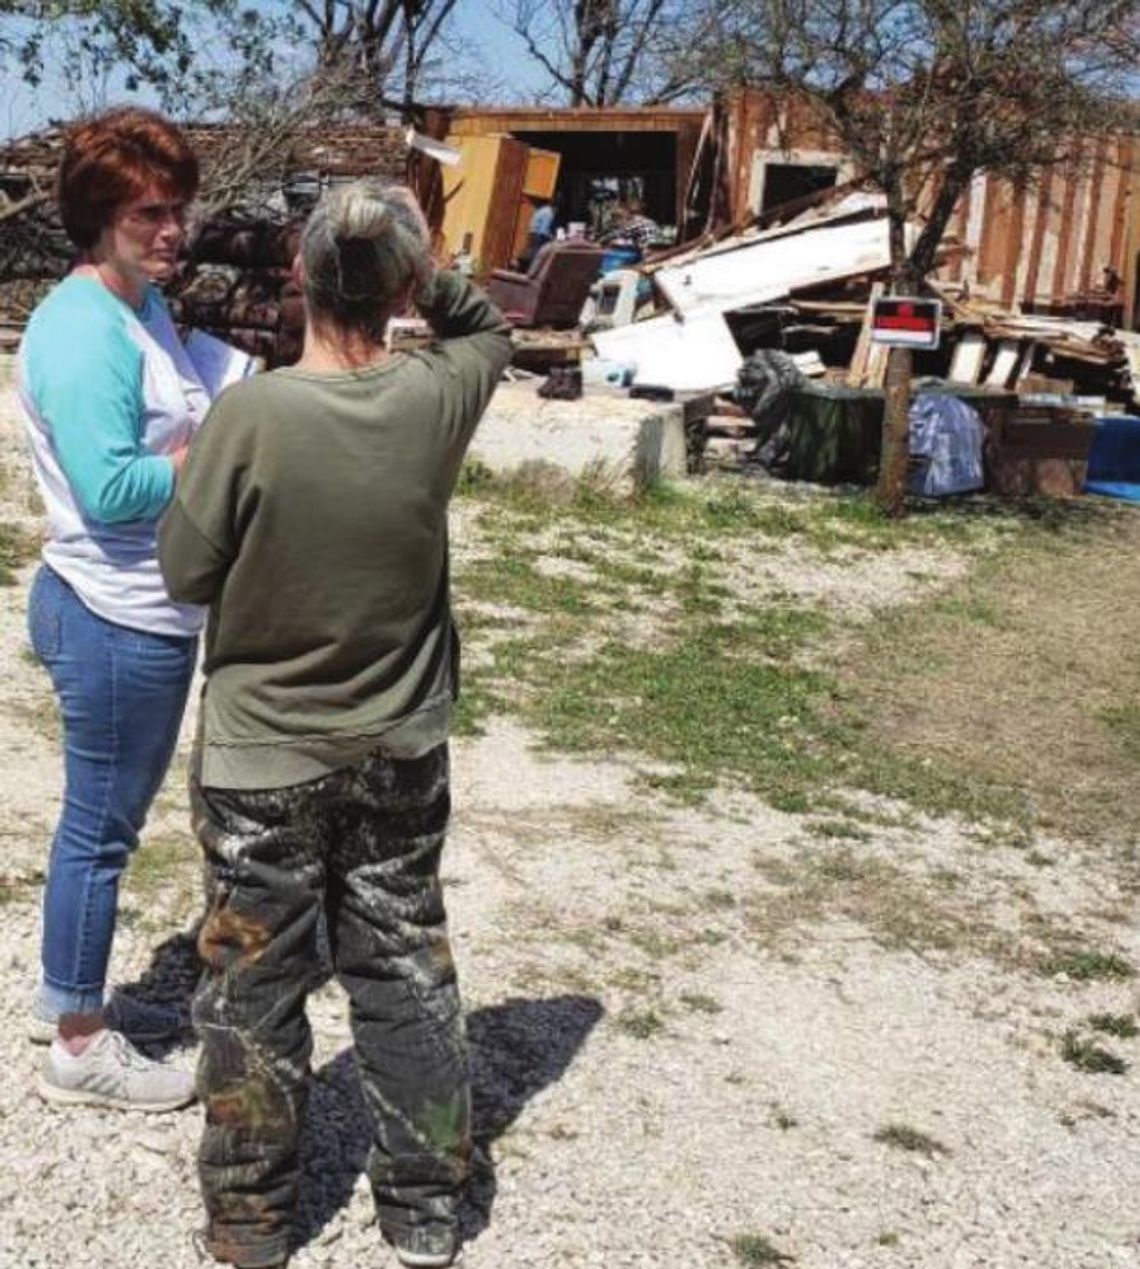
x=891 y=490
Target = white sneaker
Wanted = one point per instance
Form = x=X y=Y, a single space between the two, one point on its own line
x=141 y=1021
x=111 y=1072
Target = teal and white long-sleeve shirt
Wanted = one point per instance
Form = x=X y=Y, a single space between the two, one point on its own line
x=108 y=392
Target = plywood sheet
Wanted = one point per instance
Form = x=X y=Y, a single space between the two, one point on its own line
x=759 y=271
x=966 y=364
x=696 y=354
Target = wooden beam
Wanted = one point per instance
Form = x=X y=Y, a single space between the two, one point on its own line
x=1089 y=254
x=1044 y=211
x=1065 y=228
x=1013 y=244
x=963 y=227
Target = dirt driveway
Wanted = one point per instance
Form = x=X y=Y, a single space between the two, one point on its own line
x=701 y=1036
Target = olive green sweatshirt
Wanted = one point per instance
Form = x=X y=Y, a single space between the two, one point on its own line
x=311 y=516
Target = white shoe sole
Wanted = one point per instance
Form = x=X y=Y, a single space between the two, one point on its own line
x=427 y=1261
x=86 y=1097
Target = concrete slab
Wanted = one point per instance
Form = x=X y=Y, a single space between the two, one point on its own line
x=627 y=444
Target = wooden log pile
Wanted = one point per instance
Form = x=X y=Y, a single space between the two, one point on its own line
x=237 y=285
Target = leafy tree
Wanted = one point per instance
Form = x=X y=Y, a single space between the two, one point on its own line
x=190 y=50
x=152 y=42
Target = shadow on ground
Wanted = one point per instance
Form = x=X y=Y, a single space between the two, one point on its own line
x=170 y=979
x=518 y=1048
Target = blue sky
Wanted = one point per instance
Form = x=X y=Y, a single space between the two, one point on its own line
x=490 y=44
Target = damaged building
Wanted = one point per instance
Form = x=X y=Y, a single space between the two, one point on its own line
x=769 y=244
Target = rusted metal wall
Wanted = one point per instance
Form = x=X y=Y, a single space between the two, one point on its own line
x=1039 y=245
x=1053 y=239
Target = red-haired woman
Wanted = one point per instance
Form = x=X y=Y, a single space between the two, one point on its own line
x=110 y=401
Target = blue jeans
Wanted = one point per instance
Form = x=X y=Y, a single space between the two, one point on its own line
x=121 y=696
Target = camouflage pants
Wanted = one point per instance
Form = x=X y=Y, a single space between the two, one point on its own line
x=365 y=844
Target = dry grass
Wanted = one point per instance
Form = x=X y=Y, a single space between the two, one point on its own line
x=1021 y=680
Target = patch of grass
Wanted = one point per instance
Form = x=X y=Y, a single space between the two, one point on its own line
x=756 y=1249
x=1087 y=965
x=17 y=548
x=900 y=910
x=912 y=1140
x=888 y=1238
x=640 y=981
x=1024 y=618
x=654 y=943
x=751 y=689
x=161 y=863
x=1088 y=1056
x=1121 y=1025
x=512 y=580
x=700 y=1002
x=476 y=704
x=642 y=1024
x=709 y=704
x=783 y=1119
x=19 y=889
x=1123 y=724
x=790 y=801
x=839 y=830
x=967 y=606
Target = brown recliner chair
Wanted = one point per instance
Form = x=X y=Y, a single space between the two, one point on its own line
x=554 y=288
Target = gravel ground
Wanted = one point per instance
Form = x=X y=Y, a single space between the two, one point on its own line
x=679 y=1049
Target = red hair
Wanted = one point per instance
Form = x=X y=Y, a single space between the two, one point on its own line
x=115 y=157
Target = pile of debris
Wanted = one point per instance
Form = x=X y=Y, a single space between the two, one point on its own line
x=805 y=289
x=238 y=287
x=34 y=250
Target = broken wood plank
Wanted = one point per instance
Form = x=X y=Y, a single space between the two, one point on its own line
x=966 y=363
x=860 y=358
x=1004 y=364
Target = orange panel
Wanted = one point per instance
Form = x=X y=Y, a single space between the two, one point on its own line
x=541 y=173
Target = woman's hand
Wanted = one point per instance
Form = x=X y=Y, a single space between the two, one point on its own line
x=178 y=458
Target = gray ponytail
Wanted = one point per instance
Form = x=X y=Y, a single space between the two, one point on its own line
x=363 y=247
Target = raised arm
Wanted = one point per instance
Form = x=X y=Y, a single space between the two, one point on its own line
x=473 y=348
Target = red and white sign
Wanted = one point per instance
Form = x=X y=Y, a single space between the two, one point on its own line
x=906 y=322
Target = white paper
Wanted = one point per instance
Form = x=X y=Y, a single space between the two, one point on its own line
x=693 y=355
x=218 y=364
x=432 y=148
